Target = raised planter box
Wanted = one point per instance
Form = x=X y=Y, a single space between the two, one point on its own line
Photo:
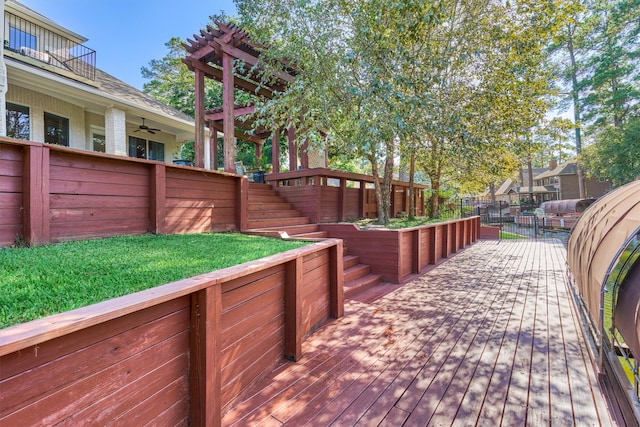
x=399 y=254
x=175 y=354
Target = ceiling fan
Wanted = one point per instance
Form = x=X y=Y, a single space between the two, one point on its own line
x=147 y=128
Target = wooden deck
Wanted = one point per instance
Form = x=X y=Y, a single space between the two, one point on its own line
x=486 y=338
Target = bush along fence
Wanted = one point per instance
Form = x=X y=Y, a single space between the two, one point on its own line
x=51 y=194
x=181 y=353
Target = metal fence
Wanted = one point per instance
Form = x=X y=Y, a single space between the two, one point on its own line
x=515 y=221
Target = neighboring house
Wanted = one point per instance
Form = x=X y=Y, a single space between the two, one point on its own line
x=562 y=183
x=558 y=182
x=513 y=190
x=55 y=94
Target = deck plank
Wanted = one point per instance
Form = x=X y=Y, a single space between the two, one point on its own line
x=488 y=337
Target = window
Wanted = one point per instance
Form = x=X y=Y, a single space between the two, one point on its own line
x=19 y=38
x=156 y=151
x=56 y=130
x=139 y=148
x=98 y=143
x=18 y=121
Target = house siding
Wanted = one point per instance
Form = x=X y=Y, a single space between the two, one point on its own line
x=80 y=122
x=39 y=103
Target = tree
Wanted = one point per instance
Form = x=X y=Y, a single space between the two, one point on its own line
x=616 y=153
x=351 y=59
x=600 y=47
x=171 y=82
x=613 y=78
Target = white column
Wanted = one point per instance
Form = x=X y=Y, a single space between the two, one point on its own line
x=115 y=129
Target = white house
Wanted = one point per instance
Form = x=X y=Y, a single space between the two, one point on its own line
x=52 y=92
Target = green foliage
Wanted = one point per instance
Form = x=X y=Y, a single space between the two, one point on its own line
x=44 y=280
x=615 y=153
x=597 y=62
x=171 y=82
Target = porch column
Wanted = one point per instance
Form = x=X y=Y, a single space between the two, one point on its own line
x=293 y=150
x=227 y=114
x=115 y=129
x=275 y=151
x=199 y=98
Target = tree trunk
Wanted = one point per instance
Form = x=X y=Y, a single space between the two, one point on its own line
x=387 y=185
x=435 y=191
x=492 y=191
x=576 y=112
x=412 y=194
x=530 y=170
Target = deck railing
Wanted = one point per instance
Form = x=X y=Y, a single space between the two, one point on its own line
x=326 y=195
x=31 y=40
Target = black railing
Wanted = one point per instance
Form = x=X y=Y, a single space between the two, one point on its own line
x=32 y=40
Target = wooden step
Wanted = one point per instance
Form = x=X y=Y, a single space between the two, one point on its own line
x=255 y=207
x=279 y=213
x=349 y=261
x=313 y=235
x=291 y=230
x=376 y=292
x=364 y=283
x=259 y=185
x=280 y=223
x=356 y=272
x=266 y=198
x=256 y=186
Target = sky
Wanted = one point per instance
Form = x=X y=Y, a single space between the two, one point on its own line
x=128 y=34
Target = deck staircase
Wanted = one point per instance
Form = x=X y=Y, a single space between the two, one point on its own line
x=270 y=214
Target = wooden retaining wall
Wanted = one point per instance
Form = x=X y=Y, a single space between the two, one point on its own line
x=398 y=254
x=181 y=353
x=52 y=194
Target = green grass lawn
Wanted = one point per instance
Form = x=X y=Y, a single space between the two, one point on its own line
x=40 y=281
x=505 y=235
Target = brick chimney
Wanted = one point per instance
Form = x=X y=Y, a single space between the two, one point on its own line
x=553 y=163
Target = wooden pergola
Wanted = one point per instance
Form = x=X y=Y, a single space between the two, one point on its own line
x=212 y=55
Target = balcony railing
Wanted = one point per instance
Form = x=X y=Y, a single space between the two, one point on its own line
x=32 y=40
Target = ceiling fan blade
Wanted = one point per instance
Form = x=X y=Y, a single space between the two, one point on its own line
x=151 y=131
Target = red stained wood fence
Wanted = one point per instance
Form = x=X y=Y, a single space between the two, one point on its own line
x=52 y=194
x=326 y=195
x=399 y=254
x=181 y=353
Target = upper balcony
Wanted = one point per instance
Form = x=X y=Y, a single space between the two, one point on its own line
x=34 y=41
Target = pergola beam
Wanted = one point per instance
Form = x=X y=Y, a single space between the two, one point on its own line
x=211 y=54
x=237 y=111
x=239 y=134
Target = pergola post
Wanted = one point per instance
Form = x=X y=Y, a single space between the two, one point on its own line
x=293 y=150
x=227 y=108
x=304 y=154
x=199 y=101
x=258 y=155
x=213 y=147
x=275 y=151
